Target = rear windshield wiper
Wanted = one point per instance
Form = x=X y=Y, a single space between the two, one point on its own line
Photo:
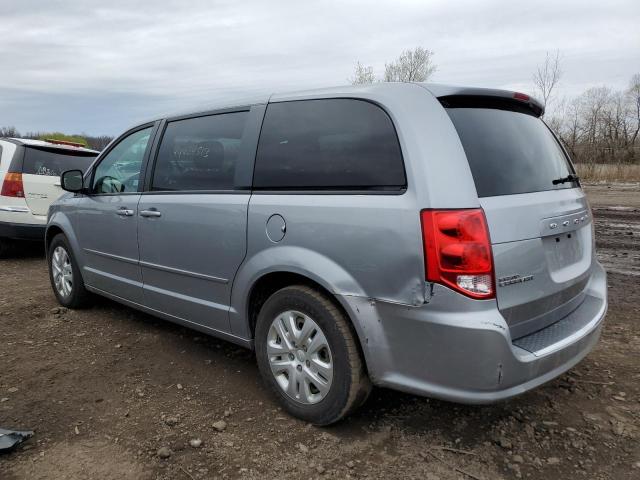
x=569 y=178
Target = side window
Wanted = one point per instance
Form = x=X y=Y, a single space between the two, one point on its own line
x=328 y=144
x=199 y=153
x=119 y=171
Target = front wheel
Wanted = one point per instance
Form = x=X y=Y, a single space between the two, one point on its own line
x=308 y=355
x=64 y=274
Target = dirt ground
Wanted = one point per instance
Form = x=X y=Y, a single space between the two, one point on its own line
x=109 y=391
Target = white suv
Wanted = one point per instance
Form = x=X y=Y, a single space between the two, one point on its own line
x=30 y=181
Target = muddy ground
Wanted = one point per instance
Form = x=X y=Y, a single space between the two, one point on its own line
x=106 y=388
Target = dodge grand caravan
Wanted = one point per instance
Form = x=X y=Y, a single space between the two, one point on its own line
x=426 y=238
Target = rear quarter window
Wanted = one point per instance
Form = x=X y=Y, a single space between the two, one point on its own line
x=509 y=152
x=328 y=144
x=53 y=162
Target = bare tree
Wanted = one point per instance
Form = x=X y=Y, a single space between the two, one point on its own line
x=547 y=76
x=567 y=123
x=633 y=93
x=600 y=126
x=411 y=66
x=362 y=75
x=9 y=132
x=98 y=143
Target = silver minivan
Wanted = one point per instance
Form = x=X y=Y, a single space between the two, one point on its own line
x=426 y=238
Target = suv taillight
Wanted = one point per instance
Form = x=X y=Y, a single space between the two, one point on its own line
x=457 y=251
x=12 y=185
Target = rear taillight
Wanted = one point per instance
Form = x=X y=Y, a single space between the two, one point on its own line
x=457 y=251
x=12 y=185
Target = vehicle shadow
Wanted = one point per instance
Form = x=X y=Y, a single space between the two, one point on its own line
x=22 y=250
x=455 y=423
x=385 y=411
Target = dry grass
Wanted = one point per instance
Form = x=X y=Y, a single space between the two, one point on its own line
x=601 y=172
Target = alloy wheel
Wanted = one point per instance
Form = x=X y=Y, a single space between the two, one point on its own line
x=62 y=272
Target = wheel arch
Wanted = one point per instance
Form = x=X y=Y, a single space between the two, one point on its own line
x=51 y=232
x=271 y=282
x=60 y=223
x=287 y=261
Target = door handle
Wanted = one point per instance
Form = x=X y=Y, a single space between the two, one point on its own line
x=150 y=213
x=124 y=212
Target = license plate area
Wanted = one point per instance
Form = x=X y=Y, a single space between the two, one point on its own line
x=563 y=249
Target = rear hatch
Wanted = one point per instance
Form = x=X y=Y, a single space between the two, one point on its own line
x=41 y=170
x=538 y=217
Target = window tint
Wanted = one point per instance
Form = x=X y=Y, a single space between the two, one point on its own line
x=52 y=162
x=199 y=153
x=119 y=171
x=328 y=144
x=509 y=152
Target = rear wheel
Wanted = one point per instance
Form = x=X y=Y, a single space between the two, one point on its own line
x=64 y=274
x=308 y=355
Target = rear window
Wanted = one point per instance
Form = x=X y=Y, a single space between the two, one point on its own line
x=509 y=152
x=328 y=144
x=53 y=162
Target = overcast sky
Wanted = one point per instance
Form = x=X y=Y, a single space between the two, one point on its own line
x=100 y=66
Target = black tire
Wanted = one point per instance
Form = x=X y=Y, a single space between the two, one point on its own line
x=79 y=297
x=350 y=385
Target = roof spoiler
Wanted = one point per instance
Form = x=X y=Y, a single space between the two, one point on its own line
x=518 y=102
x=461 y=97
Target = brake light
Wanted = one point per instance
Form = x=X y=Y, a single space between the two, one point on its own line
x=457 y=251
x=12 y=185
x=523 y=97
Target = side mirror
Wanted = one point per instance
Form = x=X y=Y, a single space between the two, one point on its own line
x=72 y=181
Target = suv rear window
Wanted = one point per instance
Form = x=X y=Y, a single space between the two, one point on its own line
x=509 y=152
x=54 y=161
x=328 y=144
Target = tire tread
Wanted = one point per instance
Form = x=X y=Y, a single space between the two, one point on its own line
x=360 y=384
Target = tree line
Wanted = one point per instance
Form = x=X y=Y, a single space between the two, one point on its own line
x=601 y=125
x=93 y=142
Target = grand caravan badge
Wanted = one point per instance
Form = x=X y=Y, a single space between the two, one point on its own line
x=513 y=279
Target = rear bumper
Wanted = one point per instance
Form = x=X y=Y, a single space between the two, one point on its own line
x=22 y=231
x=460 y=350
